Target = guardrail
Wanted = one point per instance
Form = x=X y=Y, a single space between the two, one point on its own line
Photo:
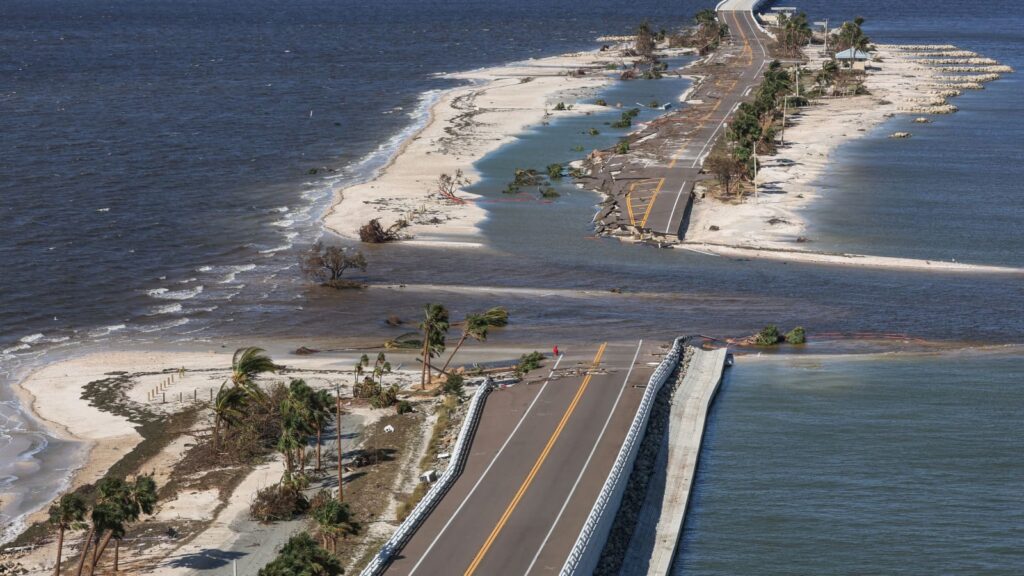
x=587 y=550
x=425 y=506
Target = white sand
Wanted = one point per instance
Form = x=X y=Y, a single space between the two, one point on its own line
x=857 y=260
x=768 y=225
x=54 y=394
x=466 y=124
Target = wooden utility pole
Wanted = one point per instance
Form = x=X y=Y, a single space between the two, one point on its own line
x=337 y=427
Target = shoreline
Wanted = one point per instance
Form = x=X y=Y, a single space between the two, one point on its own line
x=465 y=124
x=52 y=395
x=771 y=224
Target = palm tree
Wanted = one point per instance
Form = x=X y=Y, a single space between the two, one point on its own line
x=381 y=367
x=117 y=503
x=322 y=406
x=335 y=519
x=246 y=365
x=793 y=32
x=66 y=513
x=364 y=361
x=228 y=409
x=475 y=326
x=435 y=329
x=297 y=416
x=851 y=35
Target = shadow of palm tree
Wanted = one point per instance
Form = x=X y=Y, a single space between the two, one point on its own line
x=205 y=559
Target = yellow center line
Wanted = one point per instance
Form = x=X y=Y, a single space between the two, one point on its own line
x=629 y=204
x=650 y=204
x=536 y=467
x=747 y=50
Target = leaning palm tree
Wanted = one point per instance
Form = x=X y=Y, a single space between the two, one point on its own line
x=435 y=329
x=228 y=410
x=68 y=513
x=246 y=365
x=117 y=503
x=475 y=326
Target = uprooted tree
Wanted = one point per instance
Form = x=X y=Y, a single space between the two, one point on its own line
x=449 y=184
x=373 y=233
x=326 y=264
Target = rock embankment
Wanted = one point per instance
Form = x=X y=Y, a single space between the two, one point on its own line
x=647 y=461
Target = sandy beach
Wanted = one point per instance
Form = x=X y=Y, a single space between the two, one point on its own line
x=159 y=384
x=62 y=395
x=466 y=124
x=768 y=225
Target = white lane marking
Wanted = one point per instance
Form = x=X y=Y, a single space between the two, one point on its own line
x=704 y=151
x=488 y=469
x=587 y=463
x=672 y=214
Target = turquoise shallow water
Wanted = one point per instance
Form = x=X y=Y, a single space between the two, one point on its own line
x=879 y=464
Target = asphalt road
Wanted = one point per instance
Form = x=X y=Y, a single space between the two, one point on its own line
x=544 y=449
x=538 y=461
x=670 y=195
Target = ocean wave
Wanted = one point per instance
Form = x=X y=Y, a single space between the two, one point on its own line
x=107 y=330
x=276 y=248
x=42 y=338
x=367 y=167
x=165 y=309
x=164 y=325
x=281 y=209
x=15 y=348
x=233 y=271
x=165 y=294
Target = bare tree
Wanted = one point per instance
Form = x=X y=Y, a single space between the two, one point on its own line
x=726 y=168
x=326 y=264
x=645 y=42
x=448 y=184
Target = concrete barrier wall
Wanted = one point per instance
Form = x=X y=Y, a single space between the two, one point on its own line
x=591 y=540
x=740 y=5
x=425 y=506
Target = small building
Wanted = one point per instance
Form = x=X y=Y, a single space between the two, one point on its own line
x=853 y=58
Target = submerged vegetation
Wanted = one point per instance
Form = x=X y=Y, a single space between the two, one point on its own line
x=327 y=264
x=770 y=336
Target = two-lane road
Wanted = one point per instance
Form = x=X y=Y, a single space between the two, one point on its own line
x=537 y=463
x=669 y=202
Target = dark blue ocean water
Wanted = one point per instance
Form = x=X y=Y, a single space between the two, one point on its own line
x=953 y=190
x=876 y=464
x=157 y=179
x=155 y=176
x=167 y=145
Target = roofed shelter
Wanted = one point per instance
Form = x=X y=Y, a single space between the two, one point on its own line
x=853 y=58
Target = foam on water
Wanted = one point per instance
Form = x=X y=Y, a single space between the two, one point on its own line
x=165 y=309
x=106 y=330
x=167 y=294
